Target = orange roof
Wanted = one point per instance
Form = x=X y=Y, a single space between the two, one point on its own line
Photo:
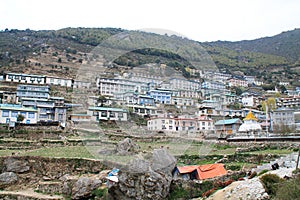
x=204 y=171
x=250 y=116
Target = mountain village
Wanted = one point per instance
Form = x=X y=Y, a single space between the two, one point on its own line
x=207 y=104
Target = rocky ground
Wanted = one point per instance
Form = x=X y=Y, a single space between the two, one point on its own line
x=252 y=188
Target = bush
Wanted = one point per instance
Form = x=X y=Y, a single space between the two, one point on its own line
x=233 y=167
x=289 y=190
x=270 y=183
x=178 y=193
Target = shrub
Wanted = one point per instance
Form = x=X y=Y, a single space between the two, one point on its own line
x=289 y=190
x=177 y=193
x=270 y=183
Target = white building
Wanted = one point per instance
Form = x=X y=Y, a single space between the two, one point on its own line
x=59 y=81
x=103 y=113
x=25 y=78
x=182 y=123
x=9 y=114
x=109 y=86
x=282 y=117
x=184 y=84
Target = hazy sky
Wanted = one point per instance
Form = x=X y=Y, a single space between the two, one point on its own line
x=202 y=20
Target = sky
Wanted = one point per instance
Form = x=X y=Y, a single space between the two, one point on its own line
x=200 y=20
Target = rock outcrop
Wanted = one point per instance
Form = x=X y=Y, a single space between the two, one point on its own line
x=8 y=178
x=14 y=165
x=84 y=186
x=127 y=147
x=147 y=177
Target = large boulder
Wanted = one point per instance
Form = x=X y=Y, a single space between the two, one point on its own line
x=14 y=165
x=84 y=187
x=127 y=147
x=8 y=178
x=147 y=177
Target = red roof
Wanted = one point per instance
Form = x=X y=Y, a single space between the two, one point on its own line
x=204 y=171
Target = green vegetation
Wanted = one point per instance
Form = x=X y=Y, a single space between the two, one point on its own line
x=289 y=189
x=178 y=193
x=271 y=183
x=100 y=193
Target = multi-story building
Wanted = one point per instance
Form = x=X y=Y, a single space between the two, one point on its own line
x=32 y=91
x=182 y=123
x=282 y=117
x=9 y=114
x=161 y=96
x=48 y=110
x=288 y=102
x=213 y=85
x=184 y=84
x=109 y=86
x=237 y=82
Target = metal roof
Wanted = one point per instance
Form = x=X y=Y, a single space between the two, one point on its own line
x=228 y=121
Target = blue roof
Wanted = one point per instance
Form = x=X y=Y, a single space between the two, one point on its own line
x=228 y=121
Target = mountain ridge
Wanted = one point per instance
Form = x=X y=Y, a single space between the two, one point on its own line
x=63 y=51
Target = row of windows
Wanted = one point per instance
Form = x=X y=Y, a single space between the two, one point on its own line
x=6 y=113
x=111 y=114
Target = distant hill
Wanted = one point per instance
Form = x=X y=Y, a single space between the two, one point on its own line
x=62 y=52
x=285 y=44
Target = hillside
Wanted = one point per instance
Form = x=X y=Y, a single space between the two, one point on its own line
x=285 y=44
x=62 y=52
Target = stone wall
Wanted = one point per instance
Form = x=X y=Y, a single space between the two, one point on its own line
x=29 y=170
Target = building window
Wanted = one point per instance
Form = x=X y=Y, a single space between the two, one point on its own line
x=31 y=115
x=5 y=113
x=14 y=114
x=120 y=115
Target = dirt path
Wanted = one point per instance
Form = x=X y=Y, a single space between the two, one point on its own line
x=30 y=193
